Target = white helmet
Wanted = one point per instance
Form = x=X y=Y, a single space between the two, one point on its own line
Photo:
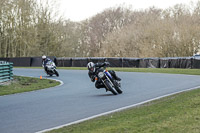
x=91 y=66
x=44 y=57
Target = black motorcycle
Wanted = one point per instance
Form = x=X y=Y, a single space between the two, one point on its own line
x=51 y=69
x=110 y=83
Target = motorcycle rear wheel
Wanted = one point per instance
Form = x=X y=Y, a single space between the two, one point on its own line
x=56 y=72
x=50 y=74
x=109 y=87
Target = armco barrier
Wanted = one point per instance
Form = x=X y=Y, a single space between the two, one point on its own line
x=21 y=61
x=64 y=62
x=130 y=62
x=6 y=71
x=186 y=62
x=96 y=59
x=149 y=63
x=37 y=61
x=4 y=59
x=180 y=62
x=114 y=62
x=79 y=62
x=196 y=63
x=169 y=62
x=174 y=62
x=164 y=62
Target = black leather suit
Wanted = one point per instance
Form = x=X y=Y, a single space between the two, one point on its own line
x=92 y=75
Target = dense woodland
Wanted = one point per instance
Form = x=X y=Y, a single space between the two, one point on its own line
x=32 y=28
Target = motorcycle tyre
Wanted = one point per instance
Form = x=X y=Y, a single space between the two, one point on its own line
x=56 y=72
x=117 y=87
x=109 y=87
x=48 y=73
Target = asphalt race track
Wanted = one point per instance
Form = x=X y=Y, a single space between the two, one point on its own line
x=78 y=99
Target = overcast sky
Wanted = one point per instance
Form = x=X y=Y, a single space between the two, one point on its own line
x=77 y=10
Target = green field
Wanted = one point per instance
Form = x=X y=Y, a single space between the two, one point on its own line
x=149 y=70
x=24 y=84
x=175 y=114
x=179 y=113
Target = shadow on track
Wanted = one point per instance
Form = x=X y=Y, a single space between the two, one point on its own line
x=103 y=95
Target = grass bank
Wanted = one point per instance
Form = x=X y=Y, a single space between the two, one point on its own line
x=24 y=84
x=149 y=70
x=179 y=113
x=160 y=70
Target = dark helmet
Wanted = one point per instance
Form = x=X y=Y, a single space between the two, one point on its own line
x=91 y=66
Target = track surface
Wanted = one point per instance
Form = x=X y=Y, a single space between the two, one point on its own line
x=77 y=98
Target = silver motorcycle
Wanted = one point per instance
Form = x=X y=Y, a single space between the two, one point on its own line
x=51 y=69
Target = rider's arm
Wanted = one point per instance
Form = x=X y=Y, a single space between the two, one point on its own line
x=102 y=64
x=99 y=64
x=92 y=76
x=42 y=63
x=48 y=59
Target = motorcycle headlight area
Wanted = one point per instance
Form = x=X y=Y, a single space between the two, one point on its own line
x=100 y=74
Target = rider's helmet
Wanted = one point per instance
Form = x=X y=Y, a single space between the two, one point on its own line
x=44 y=57
x=91 y=66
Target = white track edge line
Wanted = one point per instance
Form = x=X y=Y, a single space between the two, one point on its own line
x=116 y=110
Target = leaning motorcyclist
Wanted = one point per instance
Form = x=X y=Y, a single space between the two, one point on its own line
x=93 y=69
x=45 y=60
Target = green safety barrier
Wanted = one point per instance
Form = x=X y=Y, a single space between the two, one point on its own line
x=6 y=71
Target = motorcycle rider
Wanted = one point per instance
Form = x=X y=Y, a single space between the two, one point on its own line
x=93 y=68
x=45 y=60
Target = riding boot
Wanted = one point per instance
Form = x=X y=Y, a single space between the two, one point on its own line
x=116 y=77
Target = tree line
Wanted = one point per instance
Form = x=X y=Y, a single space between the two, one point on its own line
x=32 y=28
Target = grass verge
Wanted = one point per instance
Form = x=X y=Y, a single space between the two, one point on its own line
x=149 y=70
x=179 y=113
x=24 y=84
x=160 y=70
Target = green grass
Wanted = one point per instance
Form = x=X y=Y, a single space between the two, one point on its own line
x=175 y=114
x=149 y=70
x=146 y=70
x=160 y=70
x=25 y=84
x=179 y=113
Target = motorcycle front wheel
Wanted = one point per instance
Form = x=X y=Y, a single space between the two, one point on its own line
x=49 y=73
x=56 y=72
x=117 y=87
x=109 y=87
